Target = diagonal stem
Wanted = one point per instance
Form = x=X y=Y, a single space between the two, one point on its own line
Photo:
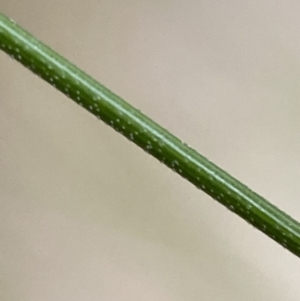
x=151 y=137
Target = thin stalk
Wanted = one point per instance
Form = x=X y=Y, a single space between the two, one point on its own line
x=147 y=134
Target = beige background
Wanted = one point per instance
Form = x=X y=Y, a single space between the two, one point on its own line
x=86 y=215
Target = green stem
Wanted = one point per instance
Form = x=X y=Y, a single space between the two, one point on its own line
x=155 y=140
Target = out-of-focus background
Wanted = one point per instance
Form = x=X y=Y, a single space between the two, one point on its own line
x=86 y=215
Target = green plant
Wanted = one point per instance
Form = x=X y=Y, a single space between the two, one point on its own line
x=155 y=140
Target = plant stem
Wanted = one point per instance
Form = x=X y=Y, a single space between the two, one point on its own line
x=151 y=137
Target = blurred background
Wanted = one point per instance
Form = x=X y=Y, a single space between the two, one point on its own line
x=86 y=215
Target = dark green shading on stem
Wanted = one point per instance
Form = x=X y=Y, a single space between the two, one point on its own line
x=155 y=140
